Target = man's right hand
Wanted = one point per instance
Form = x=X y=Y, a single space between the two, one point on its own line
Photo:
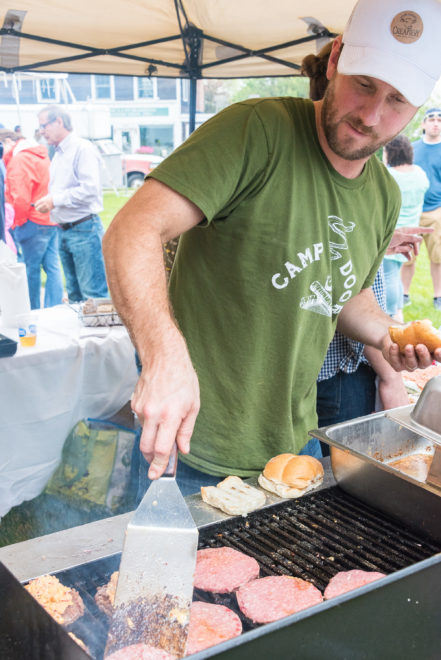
x=166 y=401
x=44 y=204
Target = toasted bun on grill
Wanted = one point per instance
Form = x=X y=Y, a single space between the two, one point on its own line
x=233 y=496
x=416 y=332
x=288 y=475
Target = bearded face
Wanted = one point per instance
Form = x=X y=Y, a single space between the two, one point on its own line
x=346 y=133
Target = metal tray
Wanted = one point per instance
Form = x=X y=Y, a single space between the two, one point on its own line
x=96 y=319
x=360 y=451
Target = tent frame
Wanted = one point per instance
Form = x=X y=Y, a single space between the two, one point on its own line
x=192 y=39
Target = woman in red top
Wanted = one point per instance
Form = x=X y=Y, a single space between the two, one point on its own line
x=27 y=179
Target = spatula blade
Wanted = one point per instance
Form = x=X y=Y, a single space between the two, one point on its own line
x=155 y=584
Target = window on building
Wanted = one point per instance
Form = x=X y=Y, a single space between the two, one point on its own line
x=81 y=86
x=103 y=87
x=145 y=88
x=126 y=140
x=48 y=90
x=166 y=88
x=160 y=138
x=185 y=89
x=123 y=88
x=27 y=91
x=6 y=93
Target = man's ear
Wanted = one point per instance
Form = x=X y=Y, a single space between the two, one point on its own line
x=334 y=56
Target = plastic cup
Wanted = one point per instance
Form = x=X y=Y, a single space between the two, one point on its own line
x=27 y=328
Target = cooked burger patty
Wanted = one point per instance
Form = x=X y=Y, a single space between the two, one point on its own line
x=221 y=570
x=271 y=598
x=209 y=625
x=64 y=604
x=140 y=652
x=105 y=595
x=347 y=580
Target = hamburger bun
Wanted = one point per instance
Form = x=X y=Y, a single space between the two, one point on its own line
x=233 y=496
x=288 y=475
x=416 y=332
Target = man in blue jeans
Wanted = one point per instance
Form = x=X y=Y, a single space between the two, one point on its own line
x=74 y=201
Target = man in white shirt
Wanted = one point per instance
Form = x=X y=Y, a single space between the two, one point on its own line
x=74 y=201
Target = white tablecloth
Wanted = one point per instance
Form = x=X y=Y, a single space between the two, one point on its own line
x=72 y=373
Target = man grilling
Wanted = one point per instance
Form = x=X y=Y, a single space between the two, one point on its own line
x=284 y=215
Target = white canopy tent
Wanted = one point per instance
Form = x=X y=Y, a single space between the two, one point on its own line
x=167 y=38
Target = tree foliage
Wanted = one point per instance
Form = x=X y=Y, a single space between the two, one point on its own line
x=220 y=93
x=263 y=87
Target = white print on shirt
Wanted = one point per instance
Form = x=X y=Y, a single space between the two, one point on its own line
x=305 y=258
x=321 y=300
x=337 y=225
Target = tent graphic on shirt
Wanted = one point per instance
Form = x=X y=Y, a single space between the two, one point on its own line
x=320 y=302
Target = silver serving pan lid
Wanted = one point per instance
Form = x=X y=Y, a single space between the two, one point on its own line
x=424 y=418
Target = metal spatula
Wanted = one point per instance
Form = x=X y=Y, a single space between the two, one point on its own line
x=155 y=584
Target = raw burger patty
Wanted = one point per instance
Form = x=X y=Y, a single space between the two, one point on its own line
x=140 y=652
x=209 y=625
x=347 y=580
x=271 y=598
x=223 y=569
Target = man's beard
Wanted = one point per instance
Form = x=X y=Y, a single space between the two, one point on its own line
x=345 y=148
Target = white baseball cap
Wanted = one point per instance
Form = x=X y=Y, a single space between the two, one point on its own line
x=396 y=41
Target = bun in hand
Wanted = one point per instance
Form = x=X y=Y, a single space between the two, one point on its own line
x=288 y=475
x=416 y=332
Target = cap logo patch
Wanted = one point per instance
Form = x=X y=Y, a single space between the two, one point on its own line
x=407 y=27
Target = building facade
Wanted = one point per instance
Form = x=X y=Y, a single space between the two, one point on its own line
x=138 y=114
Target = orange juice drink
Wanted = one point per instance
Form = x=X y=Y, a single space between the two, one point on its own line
x=27 y=329
x=28 y=340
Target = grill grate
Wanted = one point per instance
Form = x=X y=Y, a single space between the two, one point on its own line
x=313 y=538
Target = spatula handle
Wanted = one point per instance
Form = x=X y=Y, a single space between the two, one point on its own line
x=170 y=470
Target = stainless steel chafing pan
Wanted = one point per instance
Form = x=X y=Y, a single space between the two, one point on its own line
x=361 y=451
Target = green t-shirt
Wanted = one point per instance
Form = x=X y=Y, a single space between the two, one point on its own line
x=257 y=287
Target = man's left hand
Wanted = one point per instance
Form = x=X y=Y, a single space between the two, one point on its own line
x=414 y=357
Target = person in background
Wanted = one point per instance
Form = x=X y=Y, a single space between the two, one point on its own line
x=2 y=194
x=9 y=222
x=6 y=210
x=427 y=154
x=75 y=198
x=352 y=373
x=284 y=215
x=27 y=179
x=413 y=184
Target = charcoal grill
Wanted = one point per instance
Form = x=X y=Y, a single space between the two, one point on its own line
x=312 y=538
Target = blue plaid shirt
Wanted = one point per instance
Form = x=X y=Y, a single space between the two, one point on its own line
x=346 y=354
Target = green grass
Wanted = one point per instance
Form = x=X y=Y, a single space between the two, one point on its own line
x=112 y=204
x=421 y=293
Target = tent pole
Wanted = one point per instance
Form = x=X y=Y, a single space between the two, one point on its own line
x=192 y=108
